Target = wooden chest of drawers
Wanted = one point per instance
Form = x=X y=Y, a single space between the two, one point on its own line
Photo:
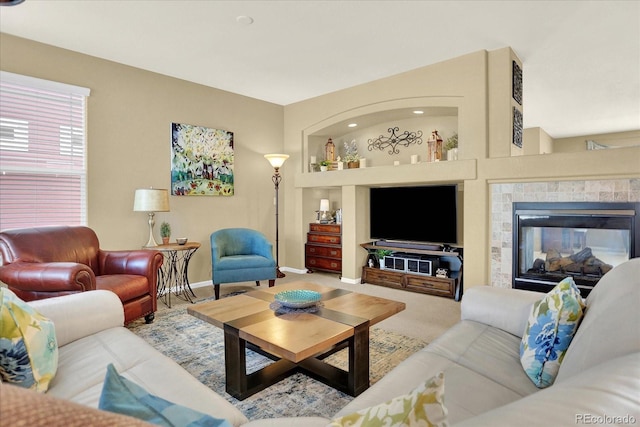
x=323 y=250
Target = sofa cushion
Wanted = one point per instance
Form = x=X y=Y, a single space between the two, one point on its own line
x=127 y=286
x=124 y=397
x=28 y=346
x=610 y=325
x=17 y=405
x=422 y=406
x=481 y=365
x=87 y=358
x=238 y=262
x=551 y=327
x=606 y=394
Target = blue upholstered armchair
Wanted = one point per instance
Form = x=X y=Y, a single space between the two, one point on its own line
x=241 y=255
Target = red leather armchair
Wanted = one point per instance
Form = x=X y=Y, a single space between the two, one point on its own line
x=45 y=262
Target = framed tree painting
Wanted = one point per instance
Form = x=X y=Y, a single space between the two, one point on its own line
x=201 y=161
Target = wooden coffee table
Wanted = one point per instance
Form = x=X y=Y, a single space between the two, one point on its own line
x=298 y=341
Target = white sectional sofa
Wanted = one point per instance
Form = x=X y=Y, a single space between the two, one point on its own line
x=485 y=385
x=90 y=333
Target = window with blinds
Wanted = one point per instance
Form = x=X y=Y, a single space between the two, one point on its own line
x=43 y=174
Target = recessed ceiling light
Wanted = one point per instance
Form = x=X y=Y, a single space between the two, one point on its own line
x=244 y=20
x=352 y=125
x=418 y=112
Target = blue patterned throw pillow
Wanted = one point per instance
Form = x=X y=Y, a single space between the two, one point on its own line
x=28 y=346
x=552 y=324
x=122 y=396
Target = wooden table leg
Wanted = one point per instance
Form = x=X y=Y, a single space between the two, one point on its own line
x=358 y=377
x=235 y=362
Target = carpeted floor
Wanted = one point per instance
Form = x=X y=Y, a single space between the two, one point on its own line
x=199 y=348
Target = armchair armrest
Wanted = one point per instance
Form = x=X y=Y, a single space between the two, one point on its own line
x=215 y=250
x=506 y=309
x=140 y=262
x=48 y=276
x=263 y=247
x=79 y=315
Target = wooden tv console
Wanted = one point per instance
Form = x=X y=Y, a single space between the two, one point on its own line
x=450 y=287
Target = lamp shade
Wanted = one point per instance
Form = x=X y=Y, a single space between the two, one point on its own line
x=324 y=205
x=276 y=160
x=151 y=200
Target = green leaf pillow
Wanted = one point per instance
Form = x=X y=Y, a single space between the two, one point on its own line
x=28 y=346
x=424 y=406
x=552 y=324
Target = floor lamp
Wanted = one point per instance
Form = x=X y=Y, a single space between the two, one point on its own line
x=276 y=161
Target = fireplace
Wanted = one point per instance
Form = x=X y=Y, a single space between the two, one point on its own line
x=584 y=240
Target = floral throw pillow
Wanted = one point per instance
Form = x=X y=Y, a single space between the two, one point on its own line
x=28 y=346
x=552 y=324
x=424 y=406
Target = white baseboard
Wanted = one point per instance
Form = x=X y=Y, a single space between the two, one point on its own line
x=355 y=281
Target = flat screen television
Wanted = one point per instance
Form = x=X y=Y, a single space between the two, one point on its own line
x=426 y=214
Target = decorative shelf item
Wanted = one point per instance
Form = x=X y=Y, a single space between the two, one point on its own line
x=434 y=147
x=299 y=298
x=351 y=154
x=392 y=141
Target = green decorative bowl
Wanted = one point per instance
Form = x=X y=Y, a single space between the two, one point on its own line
x=298 y=298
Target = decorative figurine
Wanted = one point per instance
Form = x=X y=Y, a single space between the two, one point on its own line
x=330 y=151
x=434 y=147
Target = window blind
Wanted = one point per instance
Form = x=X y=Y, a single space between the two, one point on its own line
x=43 y=175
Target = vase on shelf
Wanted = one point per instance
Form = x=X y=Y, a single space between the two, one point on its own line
x=452 y=154
x=353 y=165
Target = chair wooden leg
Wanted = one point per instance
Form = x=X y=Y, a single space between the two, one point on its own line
x=216 y=290
x=257 y=283
x=272 y=282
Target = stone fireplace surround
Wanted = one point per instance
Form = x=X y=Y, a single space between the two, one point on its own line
x=504 y=194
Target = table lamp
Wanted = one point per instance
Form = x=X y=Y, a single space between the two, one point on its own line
x=324 y=208
x=151 y=200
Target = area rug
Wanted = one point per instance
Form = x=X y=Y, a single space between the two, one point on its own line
x=199 y=348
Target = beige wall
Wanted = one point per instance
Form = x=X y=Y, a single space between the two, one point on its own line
x=130 y=112
x=478 y=85
x=617 y=139
x=129 y=117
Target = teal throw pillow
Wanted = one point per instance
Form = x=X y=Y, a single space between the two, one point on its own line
x=28 y=346
x=122 y=396
x=552 y=324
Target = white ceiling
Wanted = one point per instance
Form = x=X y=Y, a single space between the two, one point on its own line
x=581 y=59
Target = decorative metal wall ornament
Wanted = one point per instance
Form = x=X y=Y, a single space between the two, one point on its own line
x=405 y=139
x=516 y=83
x=517 y=127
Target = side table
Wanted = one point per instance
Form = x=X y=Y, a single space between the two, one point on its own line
x=174 y=270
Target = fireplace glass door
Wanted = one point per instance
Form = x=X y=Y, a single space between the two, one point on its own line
x=552 y=243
